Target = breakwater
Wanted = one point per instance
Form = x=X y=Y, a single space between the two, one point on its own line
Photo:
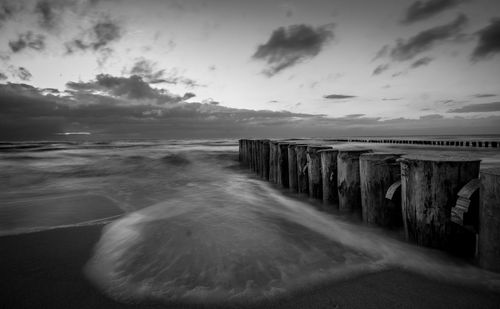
x=428 y=142
x=440 y=202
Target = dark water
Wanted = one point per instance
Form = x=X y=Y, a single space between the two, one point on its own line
x=188 y=224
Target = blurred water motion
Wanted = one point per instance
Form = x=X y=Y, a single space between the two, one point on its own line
x=196 y=228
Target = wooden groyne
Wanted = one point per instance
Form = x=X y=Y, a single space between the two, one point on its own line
x=441 y=202
x=437 y=142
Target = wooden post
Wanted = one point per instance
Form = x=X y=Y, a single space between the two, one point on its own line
x=429 y=187
x=329 y=176
x=378 y=171
x=489 y=220
x=273 y=147
x=348 y=182
x=265 y=159
x=283 y=164
x=314 y=171
x=302 y=175
x=292 y=168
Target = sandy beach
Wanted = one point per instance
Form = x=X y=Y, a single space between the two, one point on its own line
x=45 y=270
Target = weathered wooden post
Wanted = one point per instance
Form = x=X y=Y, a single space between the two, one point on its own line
x=329 y=176
x=348 y=182
x=314 y=171
x=292 y=168
x=265 y=159
x=240 y=150
x=283 y=164
x=302 y=175
x=489 y=220
x=273 y=145
x=250 y=158
x=378 y=171
x=429 y=186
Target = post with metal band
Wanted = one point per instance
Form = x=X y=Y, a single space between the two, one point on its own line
x=378 y=171
x=429 y=187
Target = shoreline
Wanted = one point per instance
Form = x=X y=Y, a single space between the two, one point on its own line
x=45 y=270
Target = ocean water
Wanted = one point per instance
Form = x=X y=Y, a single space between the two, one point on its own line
x=186 y=223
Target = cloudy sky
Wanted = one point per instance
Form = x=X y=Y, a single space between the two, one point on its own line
x=230 y=68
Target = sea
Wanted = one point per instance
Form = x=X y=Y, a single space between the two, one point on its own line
x=185 y=222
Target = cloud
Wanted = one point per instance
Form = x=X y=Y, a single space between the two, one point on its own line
x=338 y=96
x=26 y=111
x=484 y=95
x=421 y=10
x=146 y=69
x=98 y=37
x=421 y=62
x=20 y=72
x=133 y=87
x=288 y=46
x=380 y=69
x=50 y=13
x=425 y=40
x=431 y=117
x=28 y=40
x=8 y=9
x=3 y=76
x=489 y=41
x=477 y=108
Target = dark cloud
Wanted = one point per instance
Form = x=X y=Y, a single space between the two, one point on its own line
x=31 y=113
x=484 y=95
x=98 y=37
x=9 y=9
x=421 y=10
x=28 y=40
x=188 y=95
x=20 y=72
x=147 y=70
x=431 y=117
x=421 y=62
x=489 y=41
x=50 y=13
x=26 y=111
x=425 y=40
x=477 y=108
x=150 y=72
x=289 y=46
x=3 y=76
x=380 y=69
x=354 y=116
x=133 y=87
x=338 y=96
x=382 y=52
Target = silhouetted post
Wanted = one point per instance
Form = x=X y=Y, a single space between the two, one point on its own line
x=292 y=168
x=302 y=177
x=329 y=176
x=265 y=159
x=314 y=171
x=489 y=220
x=378 y=171
x=348 y=181
x=429 y=187
x=283 y=164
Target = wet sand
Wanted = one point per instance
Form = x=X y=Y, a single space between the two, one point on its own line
x=45 y=270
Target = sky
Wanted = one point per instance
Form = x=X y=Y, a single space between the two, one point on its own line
x=112 y=69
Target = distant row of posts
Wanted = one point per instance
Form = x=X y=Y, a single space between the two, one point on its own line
x=441 y=202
